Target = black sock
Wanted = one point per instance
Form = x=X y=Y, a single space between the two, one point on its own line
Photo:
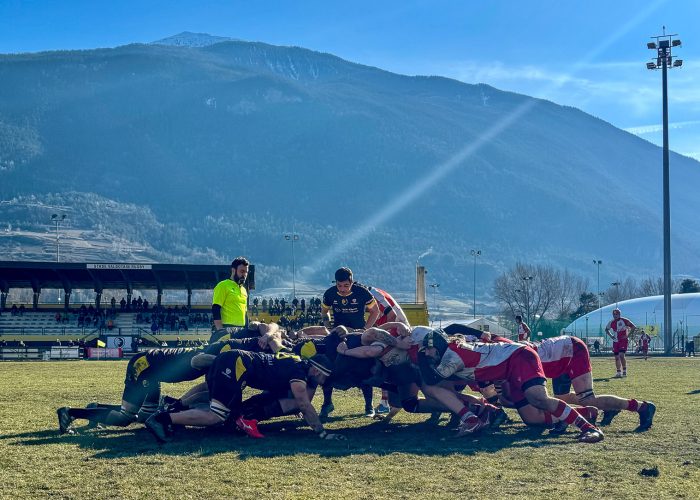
x=92 y=414
x=327 y=395
x=367 y=391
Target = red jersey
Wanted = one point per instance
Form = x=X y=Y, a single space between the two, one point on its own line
x=387 y=304
x=477 y=360
x=620 y=326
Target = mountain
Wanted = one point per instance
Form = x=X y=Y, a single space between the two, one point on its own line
x=189 y=39
x=227 y=146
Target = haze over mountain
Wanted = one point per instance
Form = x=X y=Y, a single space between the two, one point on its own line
x=195 y=149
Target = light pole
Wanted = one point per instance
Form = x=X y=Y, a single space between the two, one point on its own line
x=600 y=327
x=475 y=254
x=616 y=284
x=57 y=220
x=293 y=237
x=663 y=61
x=435 y=286
x=527 y=299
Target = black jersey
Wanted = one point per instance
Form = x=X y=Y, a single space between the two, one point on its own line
x=250 y=344
x=348 y=310
x=273 y=372
x=169 y=365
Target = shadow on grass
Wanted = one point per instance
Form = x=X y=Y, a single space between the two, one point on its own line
x=696 y=391
x=292 y=437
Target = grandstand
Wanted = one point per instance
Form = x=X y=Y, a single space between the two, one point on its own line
x=37 y=327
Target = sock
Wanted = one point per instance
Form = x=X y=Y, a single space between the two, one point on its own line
x=327 y=395
x=367 y=391
x=92 y=414
x=571 y=416
x=587 y=412
x=634 y=405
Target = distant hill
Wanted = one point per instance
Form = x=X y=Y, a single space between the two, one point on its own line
x=226 y=146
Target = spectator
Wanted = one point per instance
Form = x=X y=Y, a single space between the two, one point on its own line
x=14 y=311
x=58 y=317
x=139 y=303
x=303 y=305
x=133 y=304
x=122 y=304
x=145 y=304
x=113 y=303
x=21 y=312
x=596 y=346
x=155 y=328
x=690 y=348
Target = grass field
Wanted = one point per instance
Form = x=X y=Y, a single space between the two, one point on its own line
x=407 y=458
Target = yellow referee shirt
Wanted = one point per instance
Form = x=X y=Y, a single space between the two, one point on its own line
x=233 y=299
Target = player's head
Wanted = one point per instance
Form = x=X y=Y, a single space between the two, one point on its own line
x=518 y=319
x=343 y=280
x=239 y=270
x=320 y=368
x=616 y=313
x=435 y=344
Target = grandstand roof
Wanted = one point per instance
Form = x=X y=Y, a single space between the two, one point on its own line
x=101 y=276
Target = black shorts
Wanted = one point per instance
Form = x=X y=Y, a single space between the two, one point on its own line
x=140 y=386
x=561 y=384
x=227 y=379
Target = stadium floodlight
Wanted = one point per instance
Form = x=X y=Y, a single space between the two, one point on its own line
x=651 y=45
x=651 y=65
x=475 y=254
x=665 y=61
x=57 y=219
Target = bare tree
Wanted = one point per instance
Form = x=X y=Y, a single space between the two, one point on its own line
x=530 y=291
x=571 y=287
x=651 y=286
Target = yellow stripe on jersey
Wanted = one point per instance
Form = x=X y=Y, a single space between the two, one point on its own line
x=240 y=368
x=308 y=350
x=286 y=355
x=140 y=365
x=226 y=347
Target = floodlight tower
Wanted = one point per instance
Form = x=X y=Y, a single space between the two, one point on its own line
x=664 y=60
x=56 y=219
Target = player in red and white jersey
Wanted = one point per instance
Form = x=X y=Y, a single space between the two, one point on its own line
x=443 y=359
x=621 y=328
x=389 y=311
x=644 y=340
x=523 y=329
x=567 y=362
x=389 y=308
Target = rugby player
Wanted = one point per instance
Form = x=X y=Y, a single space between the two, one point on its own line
x=517 y=364
x=348 y=301
x=621 y=327
x=643 y=341
x=523 y=329
x=567 y=362
x=234 y=370
x=141 y=395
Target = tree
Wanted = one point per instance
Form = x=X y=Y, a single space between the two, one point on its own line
x=689 y=285
x=532 y=298
x=569 y=292
x=587 y=302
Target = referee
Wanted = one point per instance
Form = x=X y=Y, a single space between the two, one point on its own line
x=230 y=303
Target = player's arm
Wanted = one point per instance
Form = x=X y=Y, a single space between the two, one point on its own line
x=216 y=304
x=202 y=361
x=326 y=315
x=301 y=396
x=607 y=331
x=401 y=328
x=374 y=313
x=365 y=351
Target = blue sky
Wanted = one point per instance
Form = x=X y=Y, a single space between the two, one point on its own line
x=588 y=54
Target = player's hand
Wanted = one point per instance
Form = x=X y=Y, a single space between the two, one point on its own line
x=403 y=343
x=486 y=337
x=342 y=347
x=263 y=341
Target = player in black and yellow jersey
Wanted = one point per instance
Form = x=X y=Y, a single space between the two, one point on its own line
x=141 y=396
x=235 y=370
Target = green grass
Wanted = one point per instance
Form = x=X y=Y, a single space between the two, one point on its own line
x=405 y=459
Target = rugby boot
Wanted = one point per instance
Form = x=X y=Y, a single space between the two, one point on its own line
x=250 y=427
x=646 y=416
x=608 y=416
x=64 y=420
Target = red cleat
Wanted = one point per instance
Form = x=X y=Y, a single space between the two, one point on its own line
x=250 y=427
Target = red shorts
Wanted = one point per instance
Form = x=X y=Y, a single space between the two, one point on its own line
x=581 y=360
x=620 y=346
x=524 y=371
x=645 y=348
